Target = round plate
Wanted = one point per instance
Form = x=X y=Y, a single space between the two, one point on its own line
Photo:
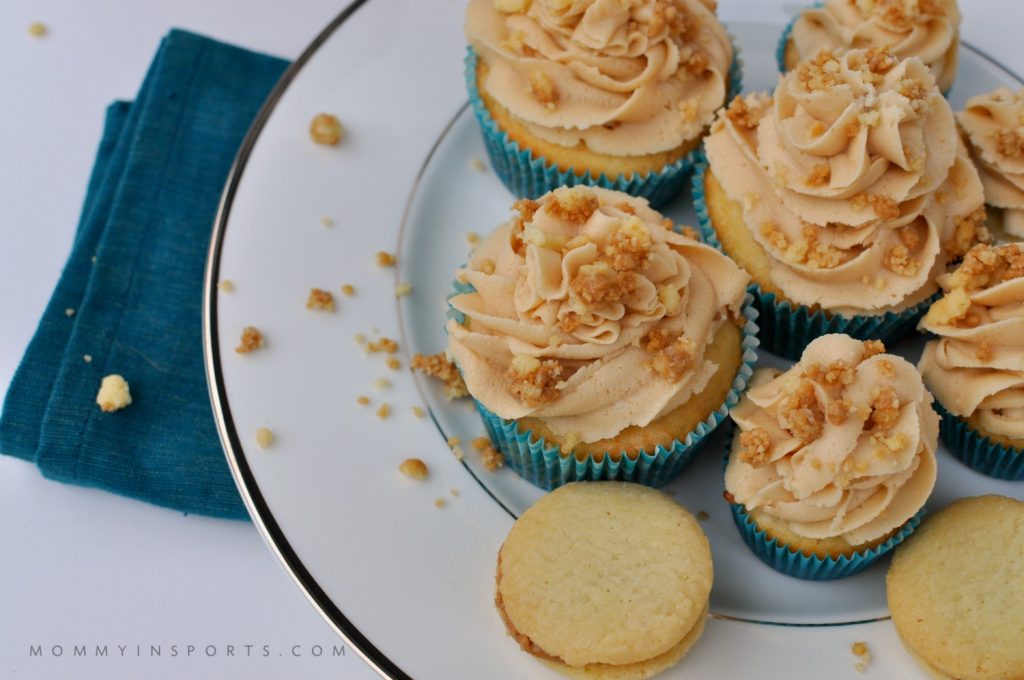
x=407 y=583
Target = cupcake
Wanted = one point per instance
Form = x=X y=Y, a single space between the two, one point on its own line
x=598 y=342
x=600 y=92
x=843 y=196
x=833 y=459
x=976 y=366
x=926 y=29
x=605 y=581
x=993 y=125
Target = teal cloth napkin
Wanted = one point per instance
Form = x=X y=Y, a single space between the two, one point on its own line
x=134 y=280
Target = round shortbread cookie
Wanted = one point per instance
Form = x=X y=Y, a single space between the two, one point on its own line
x=605 y=573
x=956 y=590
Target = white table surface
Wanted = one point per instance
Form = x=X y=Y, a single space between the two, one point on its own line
x=83 y=567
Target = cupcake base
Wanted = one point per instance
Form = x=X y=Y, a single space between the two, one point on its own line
x=977 y=451
x=786 y=327
x=528 y=174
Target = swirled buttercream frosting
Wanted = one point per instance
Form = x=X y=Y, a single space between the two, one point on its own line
x=994 y=126
x=590 y=313
x=842 y=445
x=976 y=366
x=926 y=29
x=852 y=179
x=626 y=77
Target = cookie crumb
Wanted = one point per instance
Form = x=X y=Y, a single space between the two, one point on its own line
x=114 y=394
x=348 y=290
x=320 y=299
x=403 y=289
x=264 y=437
x=418 y=413
x=413 y=467
x=37 y=29
x=385 y=259
x=326 y=129
x=440 y=367
x=384 y=411
x=252 y=339
x=454 y=492
x=703 y=516
x=393 y=363
x=381 y=384
x=477 y=164
x=87 y=358
x=363 y=400
x=472 y=238
x=860 y=650
x=386 y=345
x=225 y=286
x=326 y=221
x=70 y=311
x=359 y=338
x=439 y=502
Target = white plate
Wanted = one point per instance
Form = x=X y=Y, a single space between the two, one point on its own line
x=410 y=585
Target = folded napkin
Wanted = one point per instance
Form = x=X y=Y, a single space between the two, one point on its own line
x=129 y=299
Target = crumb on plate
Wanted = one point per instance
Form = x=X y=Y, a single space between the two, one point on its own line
x=264 y=437
x=385 y=259
x=320 y=299
x=225 y=285
x=413 y=467
x=326 y=129
x=441 y=367
x=252 y=339
x=384 y=411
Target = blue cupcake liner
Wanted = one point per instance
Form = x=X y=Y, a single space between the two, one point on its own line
x=545 y=466
x=977 y=451
x=527 y=176
x=787 y=328
x=790 y=561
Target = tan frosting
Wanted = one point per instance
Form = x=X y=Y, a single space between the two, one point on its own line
x=926 y=29
x=854 y=458
x=628 y=78
x=532 y=301
x=976 y=367
x=853 y=180
x=994 y=125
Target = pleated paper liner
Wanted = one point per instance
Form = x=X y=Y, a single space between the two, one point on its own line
x=977 y=451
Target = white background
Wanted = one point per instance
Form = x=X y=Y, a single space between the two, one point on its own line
x=82 y=567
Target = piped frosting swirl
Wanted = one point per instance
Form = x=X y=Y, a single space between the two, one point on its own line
x=841 y=445
x=926 y=29
x=976 y=367
x=852 y=179
x=994 y=126
x=591 y=313
x=625 y=77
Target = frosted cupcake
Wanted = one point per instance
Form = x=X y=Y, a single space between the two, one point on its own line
x=833 y=459
x=844 y=196
x=597 y=342
x=601 y=92
x=976 y=366
x=993 y=125
x=926 y=29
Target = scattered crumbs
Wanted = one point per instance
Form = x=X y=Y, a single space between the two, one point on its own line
x=264 y=437
x=489 y=456
x=472 y=238
x=860 y=650
x=252 y=339
x=386 y=345
x=454 y=441
x=480 y=443
x=87 y=358
x=703 y=516
x=114 y=394
x=393 y=363
x=326 y=221
x=326 y=129
x=70 y=311
x=320 y=299
x=439 y=502
x=440 y=367
x=454 y=492
x=348 y=290
x=359 y=338
x=37 y=29
x=363 y=400
x=478 y=164
x=403 y=289
x=381 y=384
x=455 y=444
x=417 y=412
x=225 y=285
x=385 y=259
x=384 y=411
x=413 y=467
